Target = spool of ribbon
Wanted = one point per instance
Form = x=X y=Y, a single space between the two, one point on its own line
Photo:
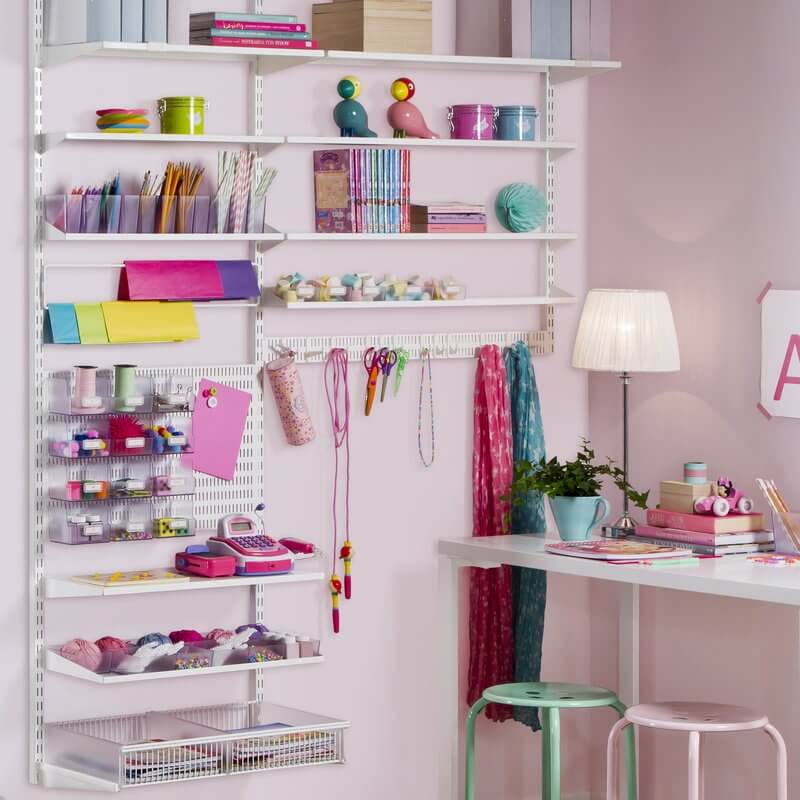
x=85 y=397
x=125 y=387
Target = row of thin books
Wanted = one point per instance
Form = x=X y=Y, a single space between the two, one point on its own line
x=228 y=29
x=362 y=190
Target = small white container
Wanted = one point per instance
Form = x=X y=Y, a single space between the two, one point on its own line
x=292 y=647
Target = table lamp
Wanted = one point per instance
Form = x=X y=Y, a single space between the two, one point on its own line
x=625 y=331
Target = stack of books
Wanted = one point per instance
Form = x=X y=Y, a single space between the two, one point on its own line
x=362 y=190
x=448 y=218
x=675 y=523
x=228 y=29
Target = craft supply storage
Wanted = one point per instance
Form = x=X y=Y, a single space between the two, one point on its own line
x=108 y=753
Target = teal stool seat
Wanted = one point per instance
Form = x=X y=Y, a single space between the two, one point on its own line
x=550 y=698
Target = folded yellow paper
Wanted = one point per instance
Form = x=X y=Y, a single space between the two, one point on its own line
x=91 y=326
x=149 y=322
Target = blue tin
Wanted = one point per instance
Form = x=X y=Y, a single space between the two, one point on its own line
x=515 y=123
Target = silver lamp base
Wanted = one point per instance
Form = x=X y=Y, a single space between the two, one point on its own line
x=626 y=522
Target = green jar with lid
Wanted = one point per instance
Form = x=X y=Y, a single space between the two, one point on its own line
x=185 y=115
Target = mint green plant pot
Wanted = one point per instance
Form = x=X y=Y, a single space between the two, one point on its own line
x=577 y=516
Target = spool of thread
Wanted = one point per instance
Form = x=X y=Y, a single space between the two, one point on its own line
x=695 y=472
x=124 y=387
x=85 y=396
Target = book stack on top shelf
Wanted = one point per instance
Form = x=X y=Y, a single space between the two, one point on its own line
x=271 y=31
x=675 y=522
x=448 y=218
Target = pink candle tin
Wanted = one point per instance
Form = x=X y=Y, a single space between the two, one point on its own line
x=473 y=121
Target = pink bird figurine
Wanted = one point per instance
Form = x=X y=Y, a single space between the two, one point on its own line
x=404 y=117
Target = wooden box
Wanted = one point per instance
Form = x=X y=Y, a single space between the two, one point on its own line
x=680 y=496
x=375 y=26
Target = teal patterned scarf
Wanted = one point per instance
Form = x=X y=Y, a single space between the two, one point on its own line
x=529 y=586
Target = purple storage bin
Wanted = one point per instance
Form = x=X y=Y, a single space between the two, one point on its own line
x=91 y=213
x=148 y=205
x=473 y=121
x=74 y=212
x=129 y=216
x=201 y=206
x=55 y=211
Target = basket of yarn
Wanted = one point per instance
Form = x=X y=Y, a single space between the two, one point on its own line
x=521 y=207
x=122 y=120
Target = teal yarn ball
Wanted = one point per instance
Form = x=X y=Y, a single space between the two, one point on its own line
x=521 y=207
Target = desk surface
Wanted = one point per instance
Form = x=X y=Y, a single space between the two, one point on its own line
x=729 y=576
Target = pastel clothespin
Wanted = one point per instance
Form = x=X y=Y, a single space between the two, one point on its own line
x=402 y=360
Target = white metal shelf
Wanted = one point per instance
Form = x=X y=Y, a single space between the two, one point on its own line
x=63 y=666
x=54 y=235
x=64 y=587
x=473 y=144
x=276 y=60
x=47 y=141
x=536 y=236
x=558 y=297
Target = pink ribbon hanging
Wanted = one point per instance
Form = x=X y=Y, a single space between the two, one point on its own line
x=491 y=647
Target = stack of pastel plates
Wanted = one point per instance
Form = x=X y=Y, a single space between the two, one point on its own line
x=122 y=120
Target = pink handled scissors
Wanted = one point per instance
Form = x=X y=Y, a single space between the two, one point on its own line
x=374 y=362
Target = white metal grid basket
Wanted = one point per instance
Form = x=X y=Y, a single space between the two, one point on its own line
x=164 y=747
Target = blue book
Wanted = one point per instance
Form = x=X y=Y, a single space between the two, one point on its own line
x=561 y=29
x=540 y=28
x=248 y=34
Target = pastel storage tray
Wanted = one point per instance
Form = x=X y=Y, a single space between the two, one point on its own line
x=163 y=747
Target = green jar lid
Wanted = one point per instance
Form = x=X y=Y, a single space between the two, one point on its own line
x=182 y=101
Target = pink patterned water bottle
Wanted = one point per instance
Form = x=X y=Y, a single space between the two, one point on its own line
x=291 y=401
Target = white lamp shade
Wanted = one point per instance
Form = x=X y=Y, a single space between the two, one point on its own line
x=626 y=330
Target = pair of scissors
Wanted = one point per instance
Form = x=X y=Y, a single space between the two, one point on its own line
x=386 y=369
x=374 y=361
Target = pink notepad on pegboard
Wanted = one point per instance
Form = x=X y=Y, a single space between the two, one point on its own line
x=218 y=424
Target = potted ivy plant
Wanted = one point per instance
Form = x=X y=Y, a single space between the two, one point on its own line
x=573 y=489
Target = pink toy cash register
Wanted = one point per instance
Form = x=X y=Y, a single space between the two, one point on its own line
x=255 y=553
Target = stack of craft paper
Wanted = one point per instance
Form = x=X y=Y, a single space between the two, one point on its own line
x=121 y=322
x=122 y=120
x=188 y=280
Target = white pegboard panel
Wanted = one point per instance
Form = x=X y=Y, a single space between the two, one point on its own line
x=314 y=349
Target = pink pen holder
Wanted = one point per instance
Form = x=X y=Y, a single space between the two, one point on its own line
x=473 y=121
x=290 y=399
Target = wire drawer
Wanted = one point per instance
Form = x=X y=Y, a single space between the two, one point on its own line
x=209 y=741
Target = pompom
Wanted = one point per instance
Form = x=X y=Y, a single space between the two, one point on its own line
x=122 y=427
x=111 y=643
x=82 y=652
x=521 y=207
x=188 y=635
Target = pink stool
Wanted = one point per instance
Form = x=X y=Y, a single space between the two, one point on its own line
x=697 y=719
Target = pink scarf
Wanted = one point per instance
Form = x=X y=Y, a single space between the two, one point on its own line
x=491 y=647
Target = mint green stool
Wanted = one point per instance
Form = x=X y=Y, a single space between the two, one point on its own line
x=549 y=698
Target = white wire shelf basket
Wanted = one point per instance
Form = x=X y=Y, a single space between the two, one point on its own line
x=188 y=744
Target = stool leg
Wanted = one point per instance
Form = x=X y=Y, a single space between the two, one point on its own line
x=469 y=760
x=694 y=766
x=701 y=769
x=631 y=777
x=780 y=745
x=545 y=717
x=551 y=752
x=612 y=760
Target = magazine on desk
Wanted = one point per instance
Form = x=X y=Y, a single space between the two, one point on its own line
x=614 y=550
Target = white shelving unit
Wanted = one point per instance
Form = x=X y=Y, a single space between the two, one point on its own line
x=214 y=498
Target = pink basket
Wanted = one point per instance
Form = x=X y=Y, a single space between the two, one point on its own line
x=291 y=401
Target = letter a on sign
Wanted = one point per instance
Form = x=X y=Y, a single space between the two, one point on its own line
x=780 y=353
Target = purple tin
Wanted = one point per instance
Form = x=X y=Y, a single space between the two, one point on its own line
x=473 y=121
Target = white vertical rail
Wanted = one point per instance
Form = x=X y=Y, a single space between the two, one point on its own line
x=550 y=189
x=36 y=519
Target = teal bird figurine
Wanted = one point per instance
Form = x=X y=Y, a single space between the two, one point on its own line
x=349 y=115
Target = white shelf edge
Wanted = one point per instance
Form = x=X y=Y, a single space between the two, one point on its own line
x=47 y=141
x=274 y=60
x=385 y=141
x=53 y=777
x=52 y=234
x=430 y=237
x=63 y=666
x=65 y=587
x=421 y=305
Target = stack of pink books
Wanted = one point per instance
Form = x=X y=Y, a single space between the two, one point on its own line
x=448 y=218
x=228 y=29
x=706 y=534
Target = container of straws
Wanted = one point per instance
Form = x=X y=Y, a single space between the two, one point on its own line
x=242 y=186
x=785 y=523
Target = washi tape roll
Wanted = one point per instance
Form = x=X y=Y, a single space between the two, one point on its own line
x=695 y=472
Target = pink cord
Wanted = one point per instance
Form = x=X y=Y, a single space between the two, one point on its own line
x=338 y=395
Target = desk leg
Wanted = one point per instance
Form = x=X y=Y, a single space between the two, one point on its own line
x=449 y=675
x=628 y=626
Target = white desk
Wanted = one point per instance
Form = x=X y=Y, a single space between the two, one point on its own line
x=731 y=576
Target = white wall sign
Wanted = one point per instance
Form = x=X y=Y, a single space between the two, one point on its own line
x=780 y=353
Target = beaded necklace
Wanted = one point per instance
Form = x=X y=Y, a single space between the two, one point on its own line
x=425 y=355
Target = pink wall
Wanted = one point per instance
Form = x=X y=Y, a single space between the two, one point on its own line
x=378 y=672
x=692 y=190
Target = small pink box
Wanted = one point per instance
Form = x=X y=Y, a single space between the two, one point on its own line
x=73 y=490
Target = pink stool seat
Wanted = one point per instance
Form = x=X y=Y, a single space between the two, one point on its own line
x=703 y=717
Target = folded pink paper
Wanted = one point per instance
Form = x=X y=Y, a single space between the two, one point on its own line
x=170 y=280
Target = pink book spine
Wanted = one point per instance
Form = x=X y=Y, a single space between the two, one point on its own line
x=406 y=191
x=453 y=228
x=266 y=44
x=691 y=522
x=285 y=27
x=691 y=537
